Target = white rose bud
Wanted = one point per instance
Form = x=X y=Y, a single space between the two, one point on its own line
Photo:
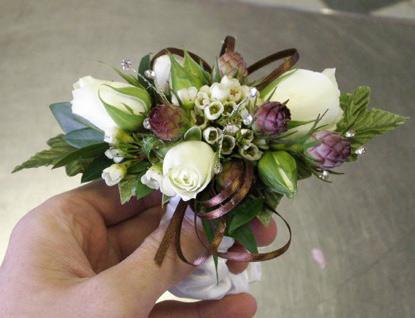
x=87 y=104
x=161 y=68
x=310 y=94
x=114 y=154
x=187 y=169
x=153 y=177
x=114 y=174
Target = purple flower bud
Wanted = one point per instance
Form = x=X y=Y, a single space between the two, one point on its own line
x=232 y=64
x=332 y=150
x=168 y=122
x=272 y=119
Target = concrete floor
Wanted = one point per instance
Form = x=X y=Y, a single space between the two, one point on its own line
x=364 y=222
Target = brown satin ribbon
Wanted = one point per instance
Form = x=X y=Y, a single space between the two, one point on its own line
x=291 y=57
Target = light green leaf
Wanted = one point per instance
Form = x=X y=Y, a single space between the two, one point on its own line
x=181 y=78
x=137 y=92
x=195 y=70
x=142 y=190
x=84 y=137
x=193 y=133
x=264 y=216
x=127 y=187
x=126 y=121
x=128 y=78
x=58 y=149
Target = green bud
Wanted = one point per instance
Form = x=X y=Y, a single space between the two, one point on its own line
x=278 y=170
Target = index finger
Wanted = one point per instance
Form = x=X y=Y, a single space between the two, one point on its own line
x=106 y=201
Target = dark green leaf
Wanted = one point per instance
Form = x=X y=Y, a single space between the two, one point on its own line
x=94 y=170
x=245 y=212
x=245 y=236
x=207 y=227
x=77 y=166
x=142 y=67
x=84 y=137
x=91 y=151
x=58 y=149
x=65 y=118
x=138 y=167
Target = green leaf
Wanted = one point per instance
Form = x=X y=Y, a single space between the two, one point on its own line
x=296 y=123
x=84 y=137
x=127 y=188
x=245 y=212
x=58 y=149
x=181 y=78
x=375 y=122
x=245 y=236
x=207 y=227
x=126 y=121
x=264 y=216
x=142 y=67
x=353 y=105
x=128 y=78
x=91 y=151
x=138 y=167
x=193 y=133
x=142 y=190
x=216 y=77
x=366 y=123
x=94 y=170
x=65 y=118
x=195 y=70
x=77 y=166
x=136 y=92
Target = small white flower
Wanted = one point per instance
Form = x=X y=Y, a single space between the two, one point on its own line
x=214 y=110
x=114 y=154
x=228 y=143
x=233 y=88
x=187 y=97
x=202 y=100
x=250 y=152
x=229 y=82
x=211 y=135
x=114 y=174
x=153 y=177
x=205 y=89
x=219 y=92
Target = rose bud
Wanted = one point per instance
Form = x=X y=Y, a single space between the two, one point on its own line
x=232 y=64
x=230 y=171
x=168 y=122
x=271 y=119
x=331 y=151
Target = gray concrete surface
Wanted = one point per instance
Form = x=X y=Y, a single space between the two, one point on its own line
x=364 y=222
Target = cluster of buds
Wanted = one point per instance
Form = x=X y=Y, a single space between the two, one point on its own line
x=232 y=64
x=271 y=119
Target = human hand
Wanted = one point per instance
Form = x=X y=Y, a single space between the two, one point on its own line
x=83 y=254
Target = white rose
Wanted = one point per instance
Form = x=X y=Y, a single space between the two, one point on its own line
x=86 y=102
x=187 y=169
x=309 y=94
x=153 y=177
x=114 y=174
x=161 y=68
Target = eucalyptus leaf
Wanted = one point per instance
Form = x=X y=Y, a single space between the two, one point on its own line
x=84 y=137
x=65 y=118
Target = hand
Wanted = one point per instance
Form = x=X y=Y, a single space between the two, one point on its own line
x=83 y=254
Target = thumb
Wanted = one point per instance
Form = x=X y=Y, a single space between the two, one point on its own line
x=139 y=276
